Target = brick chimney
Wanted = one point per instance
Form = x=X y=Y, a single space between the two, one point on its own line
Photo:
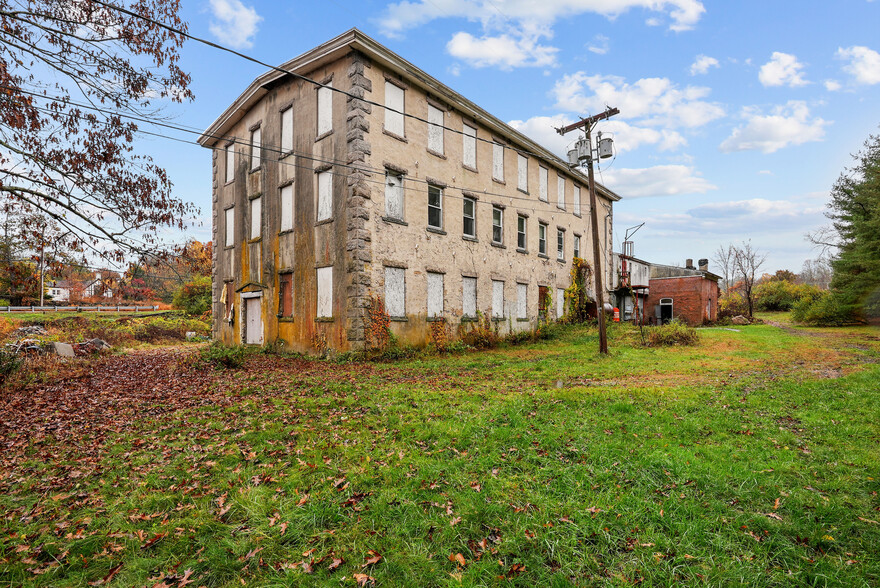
x=689 y=264
x=704 y=265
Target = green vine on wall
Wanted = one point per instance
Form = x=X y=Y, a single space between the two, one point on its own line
x=579 y=303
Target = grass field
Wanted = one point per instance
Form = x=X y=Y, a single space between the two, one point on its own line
x=750 y=459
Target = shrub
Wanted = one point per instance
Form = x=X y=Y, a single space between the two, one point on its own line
x=224 y=357
x=781 y=295
x=732 y=303
x=825 y=310
x=194 y=297
x=481 y=333
x=9 y=364
x=672 y=333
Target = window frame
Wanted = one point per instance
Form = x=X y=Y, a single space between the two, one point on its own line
x=499 y=226
x=255 y=210
x=469 y=139
x=543 y=184
x=542 y=239
x=325 y=107
x=498 y=162
x=576 y=246
x=321 y=182
x=393 y=270
x=522 y=301
x=438 y=207
x=428 y=300
x=468 y=280
x=473 y=218
x=287 y=217
x=522 y=232
x=396 y=191
x=286 y=137
x=522 y=173
x=438 y=134
x=256 y=148
x=285 y=302
x=229 y=228
x=329 y=298
x=560 y=192
x=230 y=162
x=560 y=244
x=576 y=197
x=394 y=119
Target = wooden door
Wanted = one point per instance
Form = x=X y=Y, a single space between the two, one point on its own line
x=254 y=325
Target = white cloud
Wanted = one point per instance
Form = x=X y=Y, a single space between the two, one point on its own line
x=864 y=64
x=832 y=85
x=655 y=100
x=234 y=23
x=786 y=125
x=660 y=180
x=765 y=172
x=702 y=64
x=502 y=51
x=599 y=45
x=783 y=69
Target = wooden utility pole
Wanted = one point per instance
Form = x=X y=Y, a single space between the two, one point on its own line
x=587 y=124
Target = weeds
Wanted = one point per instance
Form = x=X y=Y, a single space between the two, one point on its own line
x=672 y=333
x=9 y=364
x=480 y=333
x=224 y=356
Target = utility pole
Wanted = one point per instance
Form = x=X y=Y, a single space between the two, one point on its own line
x=585 y=153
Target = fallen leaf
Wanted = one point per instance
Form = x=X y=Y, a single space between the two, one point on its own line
x=337 y=561
x=457 y=557
x=373 y=558
x=454 y=521
x=476 y=486
x=364 y=580
x=106 y=579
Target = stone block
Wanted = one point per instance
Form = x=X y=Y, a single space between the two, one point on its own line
x=63 y=349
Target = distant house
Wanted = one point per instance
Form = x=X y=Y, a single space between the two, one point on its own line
x=74 y=290
x=98 y=287
x=59 y=290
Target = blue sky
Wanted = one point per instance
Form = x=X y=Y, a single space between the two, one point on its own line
x=736 y=117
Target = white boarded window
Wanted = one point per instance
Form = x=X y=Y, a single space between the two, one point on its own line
x=395 y=291
x=325 y=195
x=394 y=102
x=230 y=227
x=522 y=292
x=577 y=199
x=393 y=196
x=469 y=138
x=498 y=161
x=256 y=216
x=325 y=292
x=497 y=299
x=435 y=295
x=560 y=302
x=287 y=208
x=542 y=184
x=469 y=297
x=522 y=172
x=287 y=130
x=435 y=129
x=256 y=138
x=230 y=162
x=325 y=109
x=560 y=192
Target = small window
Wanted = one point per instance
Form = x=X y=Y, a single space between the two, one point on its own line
x=469 y=297
x=435 y=129
x=256 y=136
x=542 y=184
x=325 y=195
x=498 y=161
x=287 y=208
x=285 y=294
x=469 y=218
x=435 y=207
x=325 y=292
x=230 y=162
x=230 y=226
x=522 y=300
x=435 y=295
x=286 y=130
x=560 y=192
x=577 y=245
x=469 y=139
x=394 y=109
x=497 y=225
x=577 y=200
x=395 y=291
x=560 y=302
x=560 y=244
x=256 y=217
x=393 y=196
x=542 y=239
x=325 y=109
x=497 y=299
x=522 y=172
x=521 y=232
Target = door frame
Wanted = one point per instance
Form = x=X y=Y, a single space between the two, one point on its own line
x=244 y=317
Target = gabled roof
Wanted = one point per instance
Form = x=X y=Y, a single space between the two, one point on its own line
x=356 y=40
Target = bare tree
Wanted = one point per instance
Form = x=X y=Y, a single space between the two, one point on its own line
x=724 y=256
x=816 y=272
x=747 y=261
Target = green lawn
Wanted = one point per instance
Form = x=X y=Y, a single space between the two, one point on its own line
x=751 y=459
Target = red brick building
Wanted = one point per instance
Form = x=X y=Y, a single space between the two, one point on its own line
x=686 y=293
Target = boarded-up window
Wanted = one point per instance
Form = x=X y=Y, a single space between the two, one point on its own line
x=560 y=302
x=325 y=109
x=256 y=139
x=560 y=192
x=435 y=207
x=577 y=199
x=435 y=129
x=230 y=162
x=469 y=297
x=542 y=184
x=395 y=291
x=435 y=295
x=325 y=195
x=498 y=162
x=285 y=294
x=469 y=217
x=522 y=172
x=394 y=109
x=522 y=299
x=287 y=208
x=256 y=216
x=226 y=297
x=325 y=292
x=287 y=130
x=230 y=226
x=469 y=139
x=394 y=196
x=497 y=299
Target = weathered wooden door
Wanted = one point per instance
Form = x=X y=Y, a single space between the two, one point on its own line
x=253 y=334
